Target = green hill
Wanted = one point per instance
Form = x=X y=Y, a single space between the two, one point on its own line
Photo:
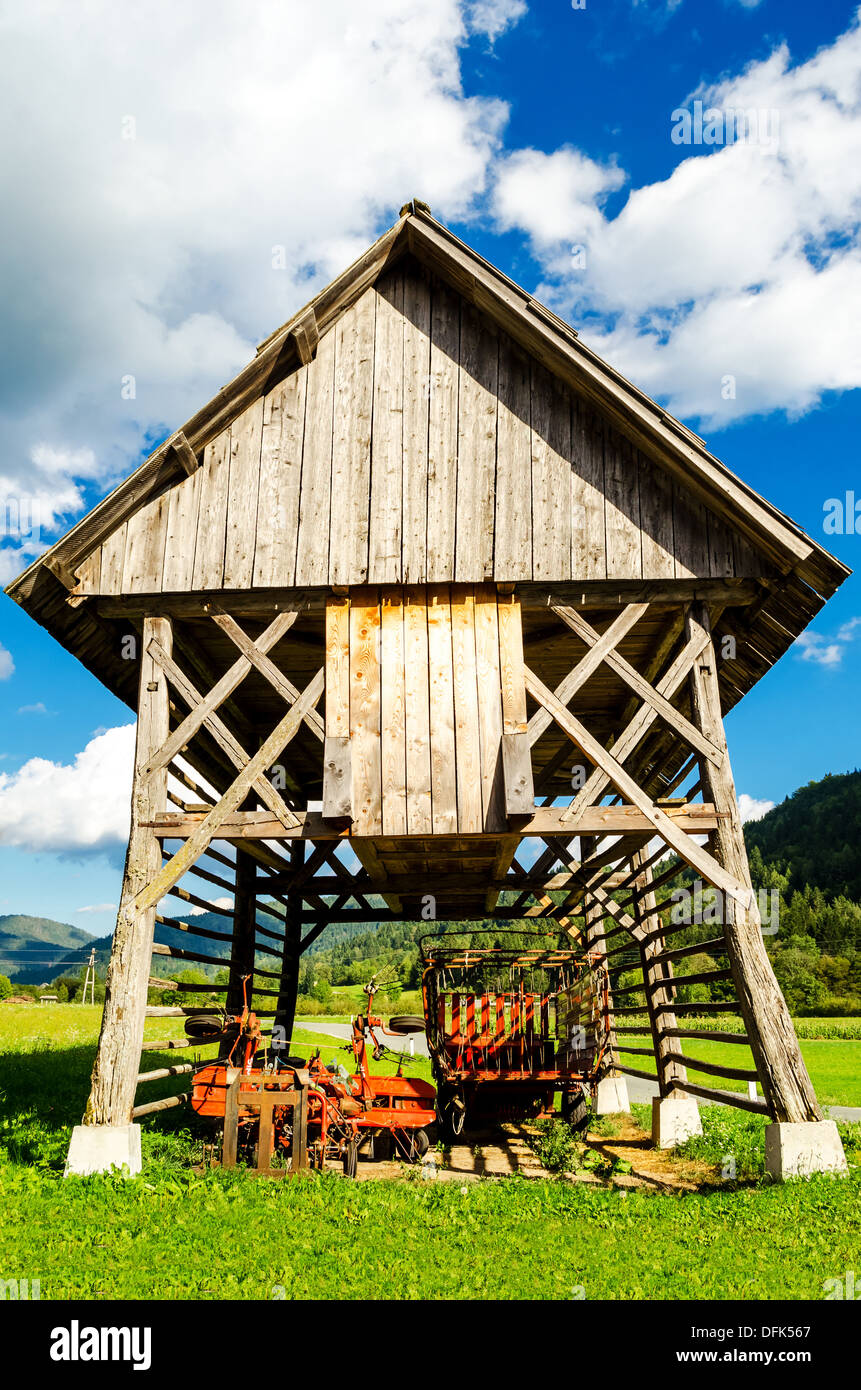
x=814 y=836
x=32 y=949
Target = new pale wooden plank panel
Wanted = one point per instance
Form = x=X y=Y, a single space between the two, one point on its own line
x=416 y=407
x=387 y=451
x=417 y=712
x=178 y=576
x=283 y=434
x=588 y=540
x=513 y=527
x=442 y=735
x=551 y=477
x=337 y=749
x=488 y=681
x=622 y=508
x=466 y=723
x=393 y=715
x=212 y=514
x=443 y=434
x=246 y=436
x=516 y=748
x=365 y=711
x=312 y=546
x=351 y=443
x=476 y=459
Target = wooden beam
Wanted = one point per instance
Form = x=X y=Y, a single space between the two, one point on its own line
x=599 y=651
x=688 y=731
x=222 y=735
x=210 y=826
x=121 y=1036
x=773 y=1042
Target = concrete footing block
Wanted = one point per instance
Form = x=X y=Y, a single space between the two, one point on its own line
x=674 y=1120
x=797 y=1150
x=611 y=1096
x=99 y=1148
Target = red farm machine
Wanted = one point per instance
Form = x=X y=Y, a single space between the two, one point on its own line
x=510 y=1025
x=278 y=1110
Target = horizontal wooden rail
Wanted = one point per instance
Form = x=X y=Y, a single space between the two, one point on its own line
x=706 y=978
x=737 y=1098
x=713 y=1068
x=169 y=1103
x=637 y=1051
x=167 y=1044
x=707 y=1035
x=161 y=1072
x=731 y=1007
x=633 y=1071
x=717 y=945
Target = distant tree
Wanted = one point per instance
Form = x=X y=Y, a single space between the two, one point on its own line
x=5 y=987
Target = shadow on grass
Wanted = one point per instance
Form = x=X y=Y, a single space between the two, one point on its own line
x=43 y=1094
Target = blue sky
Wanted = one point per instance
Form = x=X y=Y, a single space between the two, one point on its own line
x=148 y=198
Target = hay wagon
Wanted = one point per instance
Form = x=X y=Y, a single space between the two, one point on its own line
x=510 y=1023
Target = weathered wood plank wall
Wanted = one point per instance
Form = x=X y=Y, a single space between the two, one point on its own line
x=420 y=446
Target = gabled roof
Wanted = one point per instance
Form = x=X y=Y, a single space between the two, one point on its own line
x=539 y=331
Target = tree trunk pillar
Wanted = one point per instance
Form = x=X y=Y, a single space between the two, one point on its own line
x=117 y=1062
x=786 y=1085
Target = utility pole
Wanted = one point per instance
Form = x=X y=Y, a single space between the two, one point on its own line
x=90 y=978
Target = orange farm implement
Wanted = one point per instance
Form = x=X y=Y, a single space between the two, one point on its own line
x=288 y=1110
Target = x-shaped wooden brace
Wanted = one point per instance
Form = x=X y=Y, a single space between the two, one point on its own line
x=656 y=702
x=232 y=799
x=684 y=845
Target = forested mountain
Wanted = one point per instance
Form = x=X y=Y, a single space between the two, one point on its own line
x=813 y=837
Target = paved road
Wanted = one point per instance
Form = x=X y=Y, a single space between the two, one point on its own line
x=639 y=1091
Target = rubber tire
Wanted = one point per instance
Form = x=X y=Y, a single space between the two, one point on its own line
x=577 y=1112
x=351 y=1160
x=421 y=1142
x=383 y=1146
x=406 y=1023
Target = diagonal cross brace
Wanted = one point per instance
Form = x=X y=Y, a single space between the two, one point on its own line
x=637 y=728
x=689 y=732
x=600 y=647
x=221 y=691
x=256 y=655
x=232 y=799
x=231 y=746
x=692 y=853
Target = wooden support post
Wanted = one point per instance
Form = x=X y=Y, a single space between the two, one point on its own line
x=785 y=1082
x=593 y=914
x=117 y=1062
x=657 y=978
x=288 y=989
x=244 y=929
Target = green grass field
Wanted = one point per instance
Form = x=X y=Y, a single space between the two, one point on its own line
x=173 y=1233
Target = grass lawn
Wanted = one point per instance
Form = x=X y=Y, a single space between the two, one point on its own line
x=172 y=1233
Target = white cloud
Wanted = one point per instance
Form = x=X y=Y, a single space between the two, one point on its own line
x=190 y=910
x=38 y=708
x=493 y=17
x=752 y=808
x=74 y=808
x=739 y=265
x=98 y=907
x=7 y=665
x=824 y=651
x=254 y=127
